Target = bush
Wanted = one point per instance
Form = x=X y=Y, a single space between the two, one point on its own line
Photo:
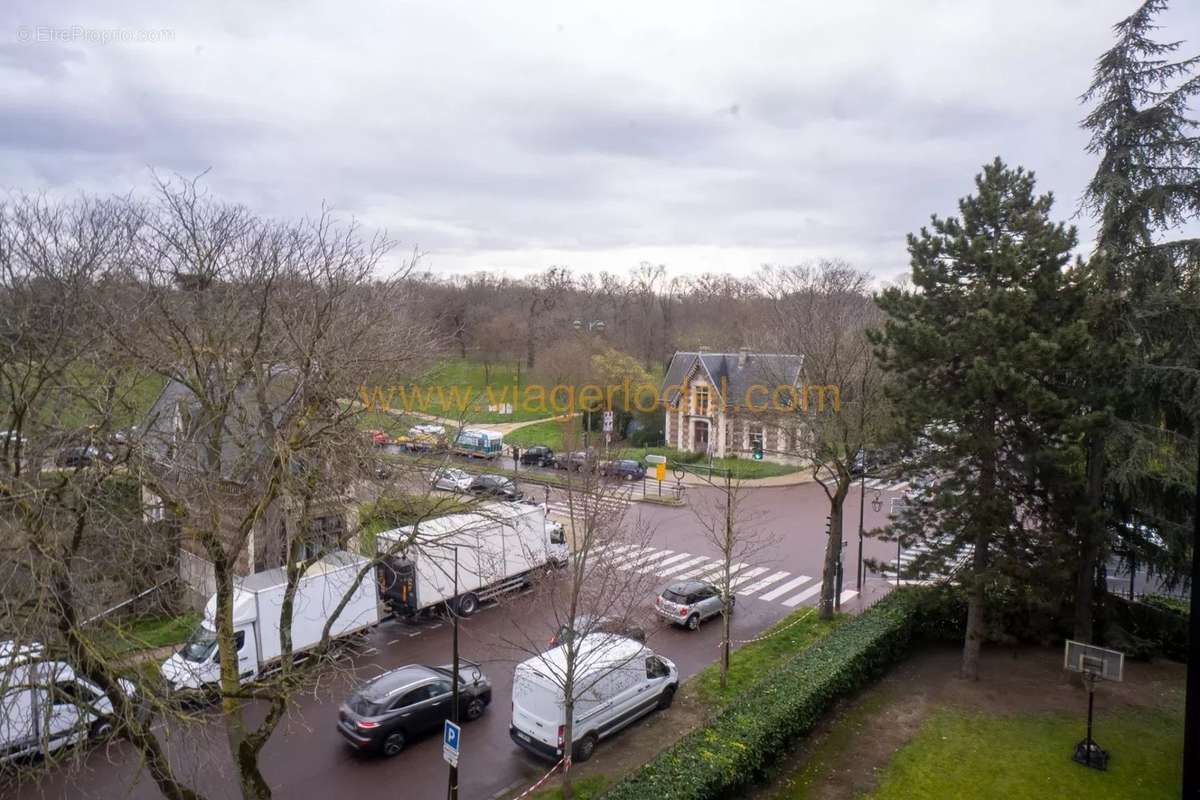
x=739 y=745
x=1144 y=630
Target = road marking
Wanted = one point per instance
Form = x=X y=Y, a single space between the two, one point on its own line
x=698 y=570
x=612 y=550
x=764 y=583
x=661 y=564
x=684 y=565
x=847 y=596
x=717 y=572
x=800 y=598
x=627 y=558
x=787 y=587
x=650 y=559
x=745 y=575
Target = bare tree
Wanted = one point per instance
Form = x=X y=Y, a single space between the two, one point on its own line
x=823 y=313
x=599 y=591
x=729 y=525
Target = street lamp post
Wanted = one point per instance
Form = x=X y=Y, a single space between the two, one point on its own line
x=452 y=788
x=862 y=497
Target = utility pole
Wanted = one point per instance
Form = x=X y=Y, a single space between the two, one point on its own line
x=1191 y=714
x=452 y=788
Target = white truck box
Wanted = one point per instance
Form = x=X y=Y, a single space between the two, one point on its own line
x=257 y=603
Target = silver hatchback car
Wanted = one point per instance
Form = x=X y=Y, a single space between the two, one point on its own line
x=688 y=603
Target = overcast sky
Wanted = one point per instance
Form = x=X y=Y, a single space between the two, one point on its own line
x=518 y=135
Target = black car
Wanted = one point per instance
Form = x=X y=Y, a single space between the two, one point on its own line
x=396 y=708
x=80 y=457
x=625 y=469
x=588 y=624
x=538 y=456
x=495 y=486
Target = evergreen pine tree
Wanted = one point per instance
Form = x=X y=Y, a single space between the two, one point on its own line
x=976 y=349
x=1137 y=405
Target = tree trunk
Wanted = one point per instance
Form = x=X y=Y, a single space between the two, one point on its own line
x=833 y=547
x=973 y=640
x=568 y=791
x=1091 y=535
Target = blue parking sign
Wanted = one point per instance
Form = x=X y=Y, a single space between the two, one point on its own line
x=450 y=738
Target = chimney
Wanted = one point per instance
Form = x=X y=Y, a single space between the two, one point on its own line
x=743 y=357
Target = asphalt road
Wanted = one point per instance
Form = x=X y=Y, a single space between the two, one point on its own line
x=307 y=757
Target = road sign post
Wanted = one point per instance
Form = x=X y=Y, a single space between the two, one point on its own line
x=451 y=737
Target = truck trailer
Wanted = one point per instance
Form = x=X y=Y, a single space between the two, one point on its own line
x=257 y=601
x=498 y=548
x=478 y=443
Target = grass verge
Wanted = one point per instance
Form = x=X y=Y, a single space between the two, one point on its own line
x=749 y=663
x=148 y=632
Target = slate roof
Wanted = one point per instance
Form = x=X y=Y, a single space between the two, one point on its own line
x=241 y=443
x=767 y=369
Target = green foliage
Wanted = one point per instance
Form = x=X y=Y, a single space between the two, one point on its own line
x=750 y=662
x=743 y=740
x=587 y=788
x=1174 y=604
x=1026 y=757
x=549 y=433
x=1145 y=630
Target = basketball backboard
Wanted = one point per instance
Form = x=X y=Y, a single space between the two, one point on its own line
x=1096 y=661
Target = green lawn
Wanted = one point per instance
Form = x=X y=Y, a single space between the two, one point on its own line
x=82 y=400
x=464 y=389
x=146 y=633
x=750 y=662
x=549 y=433
x=745 y=468
x=960 y=754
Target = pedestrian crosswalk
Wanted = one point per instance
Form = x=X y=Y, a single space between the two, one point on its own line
x=747 y=581
x=884 y=484
x=583 y=505
x=921 y=551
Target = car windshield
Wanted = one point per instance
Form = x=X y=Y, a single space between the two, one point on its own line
x=200 y=644
x=674 y=597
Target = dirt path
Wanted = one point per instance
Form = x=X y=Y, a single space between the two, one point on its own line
x=851 y=745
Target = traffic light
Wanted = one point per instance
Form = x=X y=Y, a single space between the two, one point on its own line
x=758 y=451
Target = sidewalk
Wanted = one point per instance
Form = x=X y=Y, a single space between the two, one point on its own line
x=791 y=479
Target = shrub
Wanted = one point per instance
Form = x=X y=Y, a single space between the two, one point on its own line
x=738 y=746
x=1143 y=630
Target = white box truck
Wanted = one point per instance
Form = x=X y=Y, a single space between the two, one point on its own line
x=45 y=704
x=498 y=547
x=257 y=601
x=616 y=682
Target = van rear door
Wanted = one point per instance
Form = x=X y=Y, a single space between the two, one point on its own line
x=537 y=706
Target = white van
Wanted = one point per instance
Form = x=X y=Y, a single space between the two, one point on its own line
x=45 y=705
x=617 y=681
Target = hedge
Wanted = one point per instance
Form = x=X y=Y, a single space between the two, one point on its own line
x=740 y=743
x=1144 y=630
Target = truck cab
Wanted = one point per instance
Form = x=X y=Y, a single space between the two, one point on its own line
x=198 y=663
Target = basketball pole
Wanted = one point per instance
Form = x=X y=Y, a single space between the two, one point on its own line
x=1191 y=717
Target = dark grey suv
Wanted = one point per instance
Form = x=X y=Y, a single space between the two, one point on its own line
x=399 y=706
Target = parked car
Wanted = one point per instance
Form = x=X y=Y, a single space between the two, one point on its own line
x=495 y=486
x=578 y=460
x=400 y=706
x=451 y=479
x=538 y=456
x=379 y=438
x=626 y=680
x=689 y=603
x=81 y=457
x=625 y=469
x=589 y=624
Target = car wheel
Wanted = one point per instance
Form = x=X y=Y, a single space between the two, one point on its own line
x=101 y=729
x=474 y=709
x=468 y=604
x=693 y=622
x=393 y=744
x=584 y=748
x=666 y=698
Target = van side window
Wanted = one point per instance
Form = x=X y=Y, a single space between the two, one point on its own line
x=239 y=640
x=72 y=693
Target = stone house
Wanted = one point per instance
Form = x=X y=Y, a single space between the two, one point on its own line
x=725 y=403
x=172 y=452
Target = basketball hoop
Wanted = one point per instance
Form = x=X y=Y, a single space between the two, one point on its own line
x=1094 y=663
